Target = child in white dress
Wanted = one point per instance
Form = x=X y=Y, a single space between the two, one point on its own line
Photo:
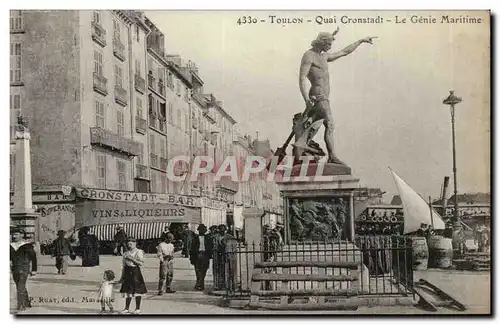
x=106 y=296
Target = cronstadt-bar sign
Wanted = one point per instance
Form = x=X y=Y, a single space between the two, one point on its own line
x=124 y=196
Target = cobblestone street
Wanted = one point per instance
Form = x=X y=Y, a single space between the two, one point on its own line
x=76 y=292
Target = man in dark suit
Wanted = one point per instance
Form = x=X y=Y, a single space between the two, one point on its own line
x=23 y=264
x=200 y=255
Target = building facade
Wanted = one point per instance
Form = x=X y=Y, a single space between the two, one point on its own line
x=107 y=109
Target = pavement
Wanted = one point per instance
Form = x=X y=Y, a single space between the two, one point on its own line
x=76 y=292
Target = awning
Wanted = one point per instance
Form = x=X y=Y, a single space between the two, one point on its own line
x=140 y=231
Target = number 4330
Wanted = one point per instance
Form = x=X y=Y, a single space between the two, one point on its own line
x=246 y=20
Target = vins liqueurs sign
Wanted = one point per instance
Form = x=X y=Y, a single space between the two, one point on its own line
x=174 y=212
x=95 y=212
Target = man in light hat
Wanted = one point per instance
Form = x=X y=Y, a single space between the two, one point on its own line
x=314 y=67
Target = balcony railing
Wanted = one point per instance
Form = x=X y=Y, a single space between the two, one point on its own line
x=151 y=82
x=119 y=49
x=153 y=121
x=141 y=171
x=100 y=84
x=120 y=95
x=163 y=163
x=98 y=33
x=161 y=88
x=153 y=160
x=140 y=83
x=140 y=125
x=106 y=138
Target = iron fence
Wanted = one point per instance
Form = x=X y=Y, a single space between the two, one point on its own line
x=384 y=266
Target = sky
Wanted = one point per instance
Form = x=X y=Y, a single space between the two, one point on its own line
x=386 y=98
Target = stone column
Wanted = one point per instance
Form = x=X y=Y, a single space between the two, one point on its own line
x=23 y=214
x=252 y=218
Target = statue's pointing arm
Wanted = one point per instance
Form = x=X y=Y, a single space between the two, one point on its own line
x=349 y=49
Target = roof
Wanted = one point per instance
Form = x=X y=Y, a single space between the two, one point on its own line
x=469 y=198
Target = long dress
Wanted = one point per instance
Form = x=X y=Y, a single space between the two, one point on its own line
x=90 y=250
x=133 y=284
x=106 y=291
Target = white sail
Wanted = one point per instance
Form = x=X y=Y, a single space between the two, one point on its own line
x=416 y=209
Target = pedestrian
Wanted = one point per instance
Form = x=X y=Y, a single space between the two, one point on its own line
x=61 y=249
x=106 y=296
x=133 y=285
x=188 y=236
x=217 y=234
x=166 y=256
x=89 y=248
x=119 y=239
x=201 y=253
x=22 y=254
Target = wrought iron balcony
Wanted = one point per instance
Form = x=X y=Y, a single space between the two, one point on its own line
x=141 y=172
x=140 y=125
x=153 y=121
x=227 y=183
x=151 y=82
x=121 y=95
x=119 y=49
x=140 y=83
x=98 y=34
x=163 y=163
x=100 y=84
x=153 y=161
x=108 y=139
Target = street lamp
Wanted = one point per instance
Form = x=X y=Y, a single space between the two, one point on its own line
x=451 y=101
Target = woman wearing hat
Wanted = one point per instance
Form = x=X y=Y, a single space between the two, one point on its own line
x=133 y=285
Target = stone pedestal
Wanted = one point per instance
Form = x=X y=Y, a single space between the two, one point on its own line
x=23 y=214
x=319 y=203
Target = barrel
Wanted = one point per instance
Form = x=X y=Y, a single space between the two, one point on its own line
x=440 y=252
x=420 y=255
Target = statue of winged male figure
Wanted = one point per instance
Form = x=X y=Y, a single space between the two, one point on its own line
x=314 y=67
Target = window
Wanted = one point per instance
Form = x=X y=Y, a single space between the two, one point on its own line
x=137 y=33
x=170 y=113
x=179 y=119
x=119 y=122
x=186 y=121
x=150 y=64
x=163 y=110
x=101 y=170
x=139 y=107
x=16 y=20
x=122 y=174
x=119 y=76
x=99 y=114
x=116 y=30
x=152 y=147
x=138 y=67
x=153 y=182
x=161 y=74
x=15 y=62
x=186 y=93
x=15 y=102
x=98 y=62
x=97 y=16
x=163 y=183
x=170 y=80
x=178 y=87
x=163 y=148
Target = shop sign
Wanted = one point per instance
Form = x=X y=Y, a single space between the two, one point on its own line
x=126 y=196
